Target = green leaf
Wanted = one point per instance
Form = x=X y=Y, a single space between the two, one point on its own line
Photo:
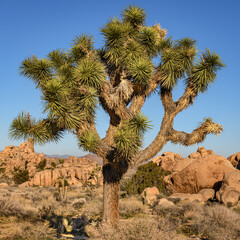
x=134 y=15
x=139 y=123
x=57 y=58
x=91 y=73
x=204 y=72
x=38 y=70
x=127 y=141
x=150 y=38
x=58 y=105
x=42 y=131
x=81 y=47
x=88 y=141
x=141 y=70
x=129 y=136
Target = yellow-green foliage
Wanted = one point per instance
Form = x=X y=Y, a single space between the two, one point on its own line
x=21 y=176
x=41 y=165
x=147 y=175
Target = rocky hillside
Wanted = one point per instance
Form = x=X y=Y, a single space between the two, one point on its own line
x=23 y=164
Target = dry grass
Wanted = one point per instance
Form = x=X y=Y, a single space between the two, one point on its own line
x=141 y=229
x=213 y=222
x=30 y=231
x=24 y=213
x=129 y=207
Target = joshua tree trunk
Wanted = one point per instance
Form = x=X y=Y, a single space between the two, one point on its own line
x=110 y=202
x=113 y=171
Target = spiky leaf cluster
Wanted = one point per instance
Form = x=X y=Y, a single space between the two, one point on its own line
x=131 y=46
x=129 y=136
x=134 y=15
x=204 y=72
x=88 y=141
x=69 y=81
x=91 y=73
x=38 y=70
x=177 y=60
x=208 y=126
x=42 y=131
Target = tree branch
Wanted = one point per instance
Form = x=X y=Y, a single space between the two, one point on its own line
x=185 y=100
x=198 y=135
x=158 y=143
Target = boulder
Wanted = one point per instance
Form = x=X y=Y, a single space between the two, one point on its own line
x=180 y=165
x=235 y=160
x=206 y=171
x=230 y=190
x=229 y=197
x=163 y=202
x=167 y=160
x=149 y=195
x=2 y=185
x=207 y=193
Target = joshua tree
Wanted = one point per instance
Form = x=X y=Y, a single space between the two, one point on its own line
x=118 y=77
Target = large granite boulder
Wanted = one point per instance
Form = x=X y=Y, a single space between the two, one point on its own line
x=206 y=171
x=167 y=160
x=235 y=160
x=229 y=192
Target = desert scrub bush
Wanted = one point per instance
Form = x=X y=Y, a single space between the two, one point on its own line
x=2 y=170
x=92 y=209
x=20 y=176
x=41 y=165
x=131 y=206
x=29 y=231
x=53 y=164
x=212 y=222
x=12 y=207
x=61 y=160
x=78 y=203
x=216 y=222
x=141 y=229
x=147 y=175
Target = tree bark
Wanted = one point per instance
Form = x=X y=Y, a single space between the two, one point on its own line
x=111 y=202
x=113 y=170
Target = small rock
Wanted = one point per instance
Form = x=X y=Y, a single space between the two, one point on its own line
x=2 y=185
x=149 y=195
x=163 y=202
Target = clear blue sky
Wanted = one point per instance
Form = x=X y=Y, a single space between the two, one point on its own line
x=37 y=27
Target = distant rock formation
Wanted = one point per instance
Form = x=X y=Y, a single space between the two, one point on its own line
x=44 y=171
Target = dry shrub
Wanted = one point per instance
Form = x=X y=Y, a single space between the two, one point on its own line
x=29 y=231
x=93 y=209
x=131 y=206
x=217 y=222
x=141 y=229
x=213 y=222
x=12 y=207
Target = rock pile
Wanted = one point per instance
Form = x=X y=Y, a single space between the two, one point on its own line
x=75 y=170
x=202 y=176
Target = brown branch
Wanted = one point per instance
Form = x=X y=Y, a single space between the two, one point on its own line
x=185 y=100
x=158 y=143
x=198 y=135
